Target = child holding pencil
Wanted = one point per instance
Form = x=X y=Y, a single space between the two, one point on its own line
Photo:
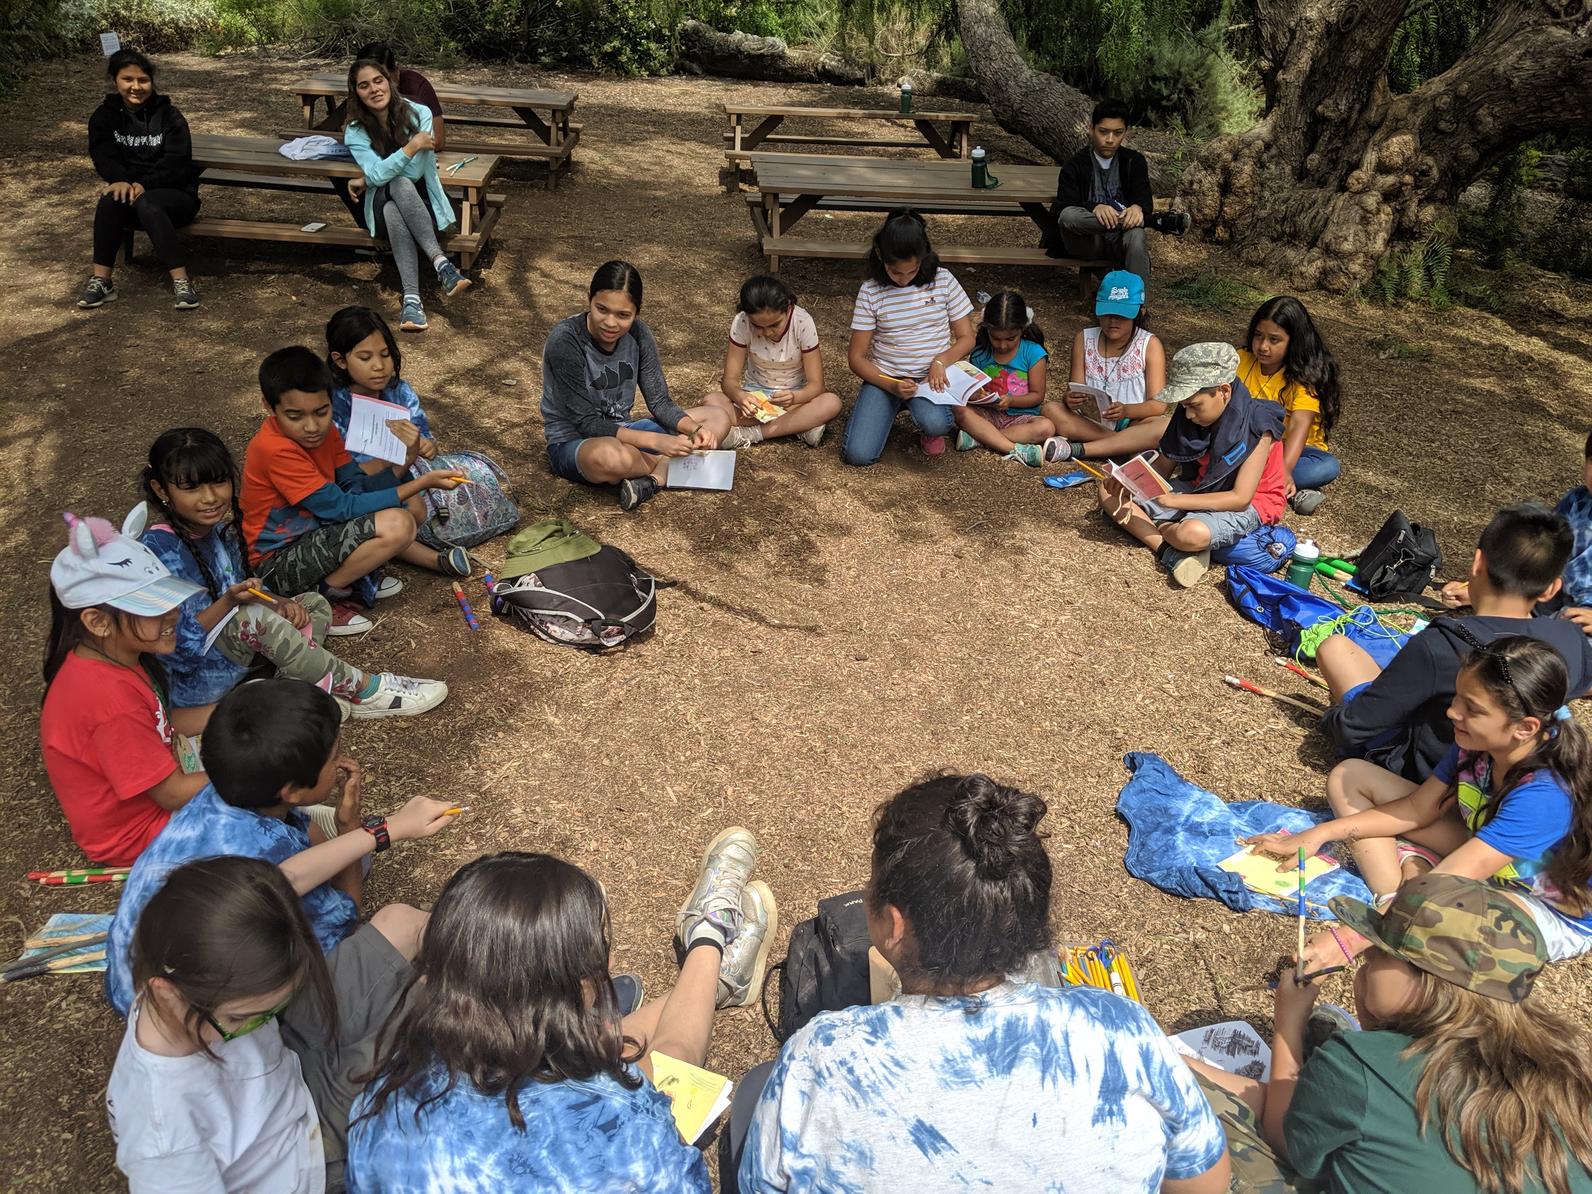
x=190 y=487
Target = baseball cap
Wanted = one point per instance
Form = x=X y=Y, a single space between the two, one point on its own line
x=101 y=566
x=1199 y=367
x=1121 y=293
x=1465 y=931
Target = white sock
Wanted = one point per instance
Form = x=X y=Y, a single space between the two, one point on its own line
x=440 y=260
x=756 y=434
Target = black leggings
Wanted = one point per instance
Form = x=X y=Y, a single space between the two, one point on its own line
x=159 y=213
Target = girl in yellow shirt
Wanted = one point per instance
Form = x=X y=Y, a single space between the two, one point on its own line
x=1283 y=360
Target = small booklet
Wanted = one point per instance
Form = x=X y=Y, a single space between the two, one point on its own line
x=1259 y=872
x=697 y=1097
x=1140 y=478
x=702 y=470
x=765 y=411
x=965 y=385
x=1232 y=1046
x=1099 y=397
x=368 y=433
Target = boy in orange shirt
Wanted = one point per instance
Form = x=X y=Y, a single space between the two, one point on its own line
x=311 y=516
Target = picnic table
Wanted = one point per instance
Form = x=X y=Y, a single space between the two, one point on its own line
x=752 y=125
x=546 y=114
x=256 y=163
x=790 y=185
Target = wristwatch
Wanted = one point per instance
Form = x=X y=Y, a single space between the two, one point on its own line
x=377 y=828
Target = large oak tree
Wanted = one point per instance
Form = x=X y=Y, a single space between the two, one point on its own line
x=1338 y=168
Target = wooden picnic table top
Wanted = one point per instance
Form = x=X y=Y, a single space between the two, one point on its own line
x=845 y=113
x=333 y=86
x=261 y=155
x=942 y=182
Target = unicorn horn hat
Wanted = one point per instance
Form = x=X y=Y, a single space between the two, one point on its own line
x=101 y=566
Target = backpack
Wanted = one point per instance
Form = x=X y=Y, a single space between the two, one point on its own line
x=825 y=967
x=1265 y=550
x=470 y=514
x=1399 y=563
x=568 y=589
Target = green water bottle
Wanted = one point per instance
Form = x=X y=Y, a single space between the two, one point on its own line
x=906 y=95
x=1306 y=555
x=980 y=168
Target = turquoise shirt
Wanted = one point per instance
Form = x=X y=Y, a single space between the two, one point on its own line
x=380 y=171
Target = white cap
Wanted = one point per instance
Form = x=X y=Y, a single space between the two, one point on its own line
x=99 y=566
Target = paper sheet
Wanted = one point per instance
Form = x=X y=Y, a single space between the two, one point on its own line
x=766 y=410
x=1100 y=398
x=697 y=1097
x=702 y=470
x=368 y=433
x=1232 y=1046
x=1259 y=872
x=110 y=43
x=963 y=385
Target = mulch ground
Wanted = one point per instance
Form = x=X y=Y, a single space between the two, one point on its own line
x=835 y=633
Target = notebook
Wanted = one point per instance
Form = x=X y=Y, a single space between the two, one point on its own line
x=702 y=470
x=697 y=1097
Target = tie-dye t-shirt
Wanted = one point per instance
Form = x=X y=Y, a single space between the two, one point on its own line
x=586 y=1134
x=1011 y=378
x=1577 y=507
x=1022 y=1087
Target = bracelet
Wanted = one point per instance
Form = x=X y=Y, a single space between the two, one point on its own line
x=377 y=828
x=1333 y=929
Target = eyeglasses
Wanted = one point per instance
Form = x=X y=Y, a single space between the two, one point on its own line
x=250 y=1024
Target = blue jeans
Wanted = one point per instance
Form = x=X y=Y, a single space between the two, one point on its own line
x=564 y=458
x=872 y=416
x=1317 y=468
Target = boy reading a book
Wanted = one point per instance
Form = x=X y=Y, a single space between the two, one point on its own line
x=1397 y=716
x=1234 y=443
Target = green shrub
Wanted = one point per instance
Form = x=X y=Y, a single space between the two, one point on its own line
x=1210 y=290
x=1416 y=272
x=1194 y=82
x=1498 y=229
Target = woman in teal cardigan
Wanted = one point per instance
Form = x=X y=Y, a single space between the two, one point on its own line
x=391 y=140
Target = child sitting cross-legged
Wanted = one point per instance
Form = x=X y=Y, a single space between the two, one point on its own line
x=271 y=754
x=1460 y=1081
x=312 y=516
x=1010 y=348
x=244 y=1044
x=511 y=1065
x=193 y=525
x=1235 y=444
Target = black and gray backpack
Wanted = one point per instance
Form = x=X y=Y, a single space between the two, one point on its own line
x=566 y=588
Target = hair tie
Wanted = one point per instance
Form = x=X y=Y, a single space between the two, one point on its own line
x=1562 y=713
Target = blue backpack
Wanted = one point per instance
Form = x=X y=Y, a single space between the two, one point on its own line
x=1287 y=611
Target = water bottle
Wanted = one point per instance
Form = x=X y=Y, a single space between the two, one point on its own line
x=980 y=168
x=906 y=95
x=1306 y=555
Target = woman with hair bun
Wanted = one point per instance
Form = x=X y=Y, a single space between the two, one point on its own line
x=969 y=1070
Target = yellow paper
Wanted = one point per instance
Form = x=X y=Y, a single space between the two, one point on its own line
x=698 y=1096
x=1259 y=871
x=765 y=411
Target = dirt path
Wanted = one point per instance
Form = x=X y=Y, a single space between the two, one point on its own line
x=836 y=633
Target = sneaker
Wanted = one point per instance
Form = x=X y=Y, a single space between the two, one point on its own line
x=451 y=281
x=1057 y=449
x=97 y=293
x=1168 y=223
x=347 y=620
x=933 y=445
x=746 y=960
x=1307 y=501
x=635 y=490
x=454 y=562
x=345 y=709
x=965 y=442
x=629 y=992
x=726 y=865
x=413 y=317
x=186 y=293
x=401 y=696
x=390 y=586
x=1028 y=454
x=739 y=437
x=813 y=436
x=1187 y=571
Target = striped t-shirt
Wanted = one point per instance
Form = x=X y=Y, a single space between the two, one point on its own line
x=909 y=323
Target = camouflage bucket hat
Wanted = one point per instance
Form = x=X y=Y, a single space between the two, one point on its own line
x=1199 y=367
x=1464 y=931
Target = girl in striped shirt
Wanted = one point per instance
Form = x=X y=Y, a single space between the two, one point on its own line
x=912 y=319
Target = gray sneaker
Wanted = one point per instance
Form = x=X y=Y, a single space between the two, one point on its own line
x=413 y=317
x=450 y=279
x=738 y=437
x=186 y=293
x=813 y=436
x=97 y=293
x=746 y=960
x=1307 y=501
x=726 y=866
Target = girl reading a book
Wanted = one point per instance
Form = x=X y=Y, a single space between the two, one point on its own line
x=526 y=1075
x=1008 y=1084
x=773 y=381
x=1006 y=417
x=1283 y=360
x=911 y=322
x=1124 y=361
x=1233 y=443
x=1511 y=801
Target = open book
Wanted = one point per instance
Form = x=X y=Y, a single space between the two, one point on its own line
x=697 y=1097
x=1095 y=394
x=766 y=411
x=1259 y=872
x=964 y=385
x=1139 y=477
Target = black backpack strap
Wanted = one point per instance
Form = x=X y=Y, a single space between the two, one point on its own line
x=762 y=999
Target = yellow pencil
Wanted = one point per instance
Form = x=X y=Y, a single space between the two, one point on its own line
x=456 y=810
x=1127 y=978
x=1090 y=469
x=265 y=597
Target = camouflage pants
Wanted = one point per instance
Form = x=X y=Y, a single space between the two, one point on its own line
x=1256 y=1169
x=260 y=630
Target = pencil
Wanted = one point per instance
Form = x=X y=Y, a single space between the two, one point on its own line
x=73 y=939
x=75 y=880
x=86 y=870
x=464 y=605
x=1090 y=469
x=56 y=950
x=1300 y=672
x=456 y=810
x=265 y=597
x=1127 y=977
x=1299 y=963
x=21 y=972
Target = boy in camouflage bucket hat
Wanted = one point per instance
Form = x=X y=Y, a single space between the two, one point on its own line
x=1464 y=931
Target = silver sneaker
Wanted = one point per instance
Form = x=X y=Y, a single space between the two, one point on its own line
x=726 y=866
x=746 y=960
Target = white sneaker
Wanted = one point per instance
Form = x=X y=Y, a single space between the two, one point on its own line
x=726 y=865
x=738 y=437
x=401 y=696
x=746 y=959
x=813 y=436
x=390 y=586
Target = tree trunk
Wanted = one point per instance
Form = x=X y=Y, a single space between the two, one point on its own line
x=1035 y=106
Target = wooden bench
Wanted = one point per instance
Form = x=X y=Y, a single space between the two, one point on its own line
x=753 y=125
x=467 y=245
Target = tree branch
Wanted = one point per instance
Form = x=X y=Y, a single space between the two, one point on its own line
x=1039 y=107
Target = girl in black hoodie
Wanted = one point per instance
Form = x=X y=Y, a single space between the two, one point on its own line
x=140 y=146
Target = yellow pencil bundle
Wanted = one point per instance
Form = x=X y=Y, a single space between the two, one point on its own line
x=1104 y=966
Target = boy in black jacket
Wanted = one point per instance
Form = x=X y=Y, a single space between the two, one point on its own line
x=1103 y=201
x=140 y=145
x=1397 y=717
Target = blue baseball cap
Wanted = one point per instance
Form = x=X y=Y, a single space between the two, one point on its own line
x=1121 y=293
